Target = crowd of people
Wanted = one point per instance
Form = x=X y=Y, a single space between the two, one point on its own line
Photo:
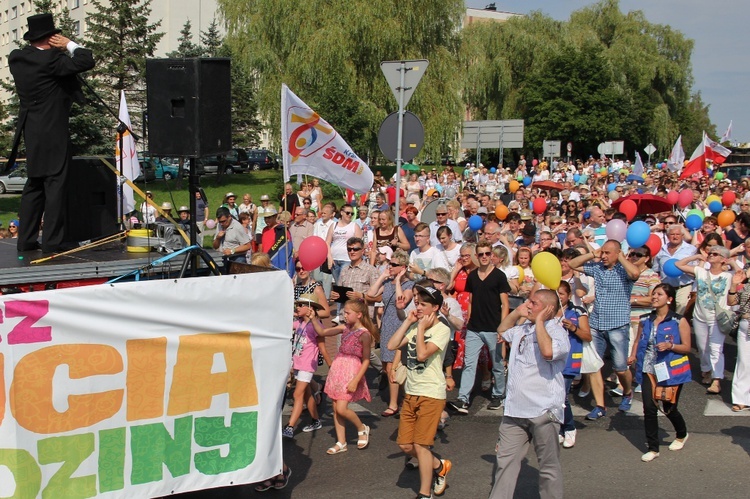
x=448 y=286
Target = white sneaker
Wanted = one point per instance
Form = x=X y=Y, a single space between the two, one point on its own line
x=570 y=439
x=649 y=456
x=583 y=393
x=560 y=439
x=678 y=444
x=638 y=389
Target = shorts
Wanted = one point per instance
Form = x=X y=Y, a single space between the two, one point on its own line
x=617 y=339
x=419 y=420
x=304 y=376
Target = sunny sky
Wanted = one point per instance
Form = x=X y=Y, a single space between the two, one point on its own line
x=721 y=56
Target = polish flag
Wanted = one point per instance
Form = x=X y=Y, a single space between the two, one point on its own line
x=707 y=150
x=728 y=134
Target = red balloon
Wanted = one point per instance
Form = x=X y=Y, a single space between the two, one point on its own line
x=629 y=209
x=654 y=244
x=403 y=172
x=673 y=197
x=728 y=198
x=313 y=252
x=685 y=198
x=540 y=206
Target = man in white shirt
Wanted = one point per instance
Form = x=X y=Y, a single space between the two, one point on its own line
x=425 y=256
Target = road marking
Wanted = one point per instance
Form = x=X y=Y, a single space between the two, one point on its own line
x=715 y=407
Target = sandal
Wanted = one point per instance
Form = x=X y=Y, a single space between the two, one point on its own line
x=713 y=392
x=264 y=486
x=364 y=437
x=389 y=412
x=740 y=408
x=280 y=483
x=337 y=448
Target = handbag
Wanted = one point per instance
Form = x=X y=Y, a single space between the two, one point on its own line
x=399 y=371
x=725 y=319
x=591 y=361
x=662 y=394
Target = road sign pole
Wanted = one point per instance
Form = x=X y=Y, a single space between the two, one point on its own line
x=400 y=140
x=479 y=148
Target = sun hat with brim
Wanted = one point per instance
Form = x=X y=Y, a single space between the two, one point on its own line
x=183 y=208
x=435 y=296
x=270 y=212
x=40 y=25
x=308 y=300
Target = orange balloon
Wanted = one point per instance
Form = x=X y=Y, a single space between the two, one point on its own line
x=514 y=186
x=501 y=211
x=726 y=218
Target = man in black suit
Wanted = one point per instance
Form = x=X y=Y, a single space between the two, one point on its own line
x=45 y=76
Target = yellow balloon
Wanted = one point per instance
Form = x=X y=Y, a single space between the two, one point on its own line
x=547 y=270
x=712 y=197
x=520 y=274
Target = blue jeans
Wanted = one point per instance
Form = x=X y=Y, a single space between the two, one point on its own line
x=568 y=423
x=473 y=345
x=618 y=339
x=338 y=266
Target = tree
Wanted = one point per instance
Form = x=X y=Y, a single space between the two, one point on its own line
x=121 y=38
x=330 y=56
x=211 y=40
x=186 y=47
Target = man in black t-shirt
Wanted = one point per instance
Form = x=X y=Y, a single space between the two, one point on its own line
x=489 y=305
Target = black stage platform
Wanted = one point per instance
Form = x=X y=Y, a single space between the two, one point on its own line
x=103 y=262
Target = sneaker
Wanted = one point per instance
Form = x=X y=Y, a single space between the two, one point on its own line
x=460 y=406
x=616 y=391
x=570 y=439
x=597 y=413
x=287 y=432
x=315 y=425
x=495 y=404
x=678 y=444
x=627 y=401
x=422 y=496
x=583 y=393
x=438 y=487
x=638 y=389
x=560 y=440
x=649 y=456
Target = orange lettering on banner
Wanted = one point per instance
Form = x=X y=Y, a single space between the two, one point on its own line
x=147 y=368
x=31 y=392
x=193 y=383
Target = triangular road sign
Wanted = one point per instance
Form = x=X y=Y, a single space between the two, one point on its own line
x=414 y=72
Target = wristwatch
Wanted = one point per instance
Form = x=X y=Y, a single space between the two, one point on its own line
x=231 y=251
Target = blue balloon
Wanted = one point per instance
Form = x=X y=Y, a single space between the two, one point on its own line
x=526 y=181
x=493 y=169
x=611 y=187
x=715 y=207
x=638 y=233
x=694 y=222
x=576 y=177
x=670 y=269
x=639 y=191
x=475 y=222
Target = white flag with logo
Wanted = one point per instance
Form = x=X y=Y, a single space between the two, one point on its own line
x=310 y=146
x=130 y=167
x=676 y=157
x=638 y=167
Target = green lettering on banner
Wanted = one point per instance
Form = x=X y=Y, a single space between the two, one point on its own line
x=241 y=436
x=111 y=460
x=151 y=445
x=71 y=451
x=25 y=472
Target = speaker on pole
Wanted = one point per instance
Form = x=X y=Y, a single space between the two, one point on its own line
x=91 y=204
x=189 y=106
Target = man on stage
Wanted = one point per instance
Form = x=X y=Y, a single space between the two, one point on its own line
x=45 y=76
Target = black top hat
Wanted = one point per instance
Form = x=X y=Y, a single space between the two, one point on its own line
x=40 y=25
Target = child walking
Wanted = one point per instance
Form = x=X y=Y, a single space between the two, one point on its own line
x=306 y=344
x=346 y=377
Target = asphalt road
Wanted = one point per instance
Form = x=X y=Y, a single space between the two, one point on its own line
x=605 y=461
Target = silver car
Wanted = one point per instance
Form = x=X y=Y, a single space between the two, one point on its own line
x=13 y=182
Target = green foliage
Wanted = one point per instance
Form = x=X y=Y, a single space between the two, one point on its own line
x=211 y=40
x=186 y=47
x=330 y=53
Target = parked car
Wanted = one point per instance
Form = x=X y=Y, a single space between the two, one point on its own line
x=148 y=171
x=235 y=161
x=14 y=181
x=262 y=159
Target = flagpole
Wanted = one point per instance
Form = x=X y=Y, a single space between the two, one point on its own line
x=400 y=141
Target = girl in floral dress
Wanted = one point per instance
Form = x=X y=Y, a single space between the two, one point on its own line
x=346 y=377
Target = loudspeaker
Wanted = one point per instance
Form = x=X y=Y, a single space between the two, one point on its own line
x=91 y=205
x=189 y=106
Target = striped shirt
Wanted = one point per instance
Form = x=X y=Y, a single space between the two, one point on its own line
x=612 y=302
x=535 y=384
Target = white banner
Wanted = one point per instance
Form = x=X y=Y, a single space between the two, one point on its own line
x=143 y=389
x=130 y=167
x=311 y=146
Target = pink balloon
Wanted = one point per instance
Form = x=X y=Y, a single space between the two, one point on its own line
x=534 y=162
x=673 y=197
x=210 y=224
x=685 y=198
x=313 y=252
x=617 y=230
x=540 y=206
x=403 y=172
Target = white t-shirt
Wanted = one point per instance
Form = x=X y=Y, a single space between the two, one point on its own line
x=432 y=258
x=704 y=300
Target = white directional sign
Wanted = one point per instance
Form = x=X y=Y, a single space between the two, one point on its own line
x=413 y=72
x=649 y=149
x=492 y=134
x=551 y=148
x=612 y=147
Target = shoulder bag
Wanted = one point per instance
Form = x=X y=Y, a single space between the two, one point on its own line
x=725 y=319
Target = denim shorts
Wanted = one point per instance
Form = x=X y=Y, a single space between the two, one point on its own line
x=617 y=339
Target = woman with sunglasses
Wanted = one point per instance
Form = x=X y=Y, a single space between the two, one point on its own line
x=712 y=290
x=13 y=229
x=388 y=235
x=304 y=284
x=662 y=344
x=467 y=261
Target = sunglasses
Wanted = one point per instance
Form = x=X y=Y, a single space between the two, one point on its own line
x=635 y=254
x=484 y=253
x=299 y=269
x=713 y=253
x=392 y=264
x=347 y=212
x=441 y=214
x=555 y=223
x=350 y=248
